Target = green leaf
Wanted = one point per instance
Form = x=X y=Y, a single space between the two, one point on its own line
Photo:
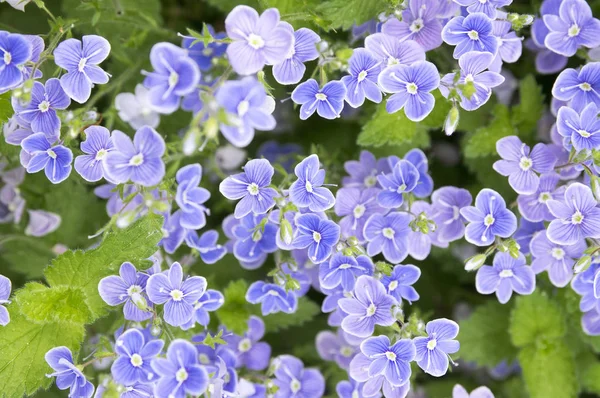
x=392 y=130
x=306 y=311
x=78 y=269
x=484 y=337
x=59 y=304
x=235 y=311
x=228 y=5
x=549 y=370
x=345 y=13
x=535 y=318
x=528 y=112
x=23 y=345
x=590 y=379
x=6 y=109
x=482 y=143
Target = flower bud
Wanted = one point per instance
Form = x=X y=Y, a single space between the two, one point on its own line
x=452 y=120
x=582 y=264
x=286 y=232
x=352 y=241
x=475 y=262
x=191 y=141
x=139 y=301
x=595 y=184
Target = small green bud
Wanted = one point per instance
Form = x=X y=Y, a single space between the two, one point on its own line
x=475 y=262
x=384 y=268
x=285 y=231
x=452 y=120
x=582 y=264
x=595 y=184
x=139 y=301
x=352 y=241
x=344 y=54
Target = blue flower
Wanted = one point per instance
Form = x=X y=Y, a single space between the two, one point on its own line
x=201 y=54
x=369 y=306
x=252 y=187
x=362 y=82
x=81 y=59
x=273 y=298
x=327 y=101
x=5 y=288
x=177 y=295
x=355 y=206
x=96 y=146
x=488 y=218
x=526 y=231
x=248 y=108
x=363 y=172
x=343 y=270
x=388 y=50
x=206 y=245
x=16 y=50
x=134 y=355
x=580 y=87
x=419 y=22
x=256 y=40
x=55 y=160
x=129 y=288
x=308 y=191
x=412 y=86
x=291 y=69
x=390 y=360
x=419 y=160
x=336 y=347
x=41 y=110
x=210 y=301
x=398 y=284
x=432 y=350
x=67 y=374
x=558 y=260
x=175 y=75
x=488 y=7
x=480 y=392
x=190 y=197
x=582 y=131
x=251 y=353
x=349 y=389
x=573 y=27
x=318 y=236
x=173 y=233
x=180 y=373
x=293 y=381
x=255 y=239
x=135 y=108
x=471 y=33
x=534 y=207
x=447 y=202
x=139 y=161
x=507 y=274
x=403 y=179
x=388 y=235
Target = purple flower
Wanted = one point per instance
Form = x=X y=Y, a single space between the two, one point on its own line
x=520 y=163
x=510 y=46
x=308 y=191
x=334 y=347
x=487 y=7
x=558 y=260
x=16 y=51
x=206 y=245
x=433 y=350
x=41 y=223
x=129 y=288
x=355 y=207
x=96 y=146
x=248 y=108
x=471 y=33
x=134 y=355
x=343 y=270
x=67 y=374
x=363 y=172
x=190 y=197
x=399 y=283
x=273 y=298
x=420 y=240
x=349 y=389
x=255 y=239
x=291 y=69
x=256 y=40
x=138 y=161
x=180 y=373
x=177 y=295
x=590 y=323
x=173 y=233
x=360 y=371
x=419 y=23
x=388 y=50
x=403 y=179
x=586 y=284
x=251 y=353
x=580 y=130
x=388 y=235
x=362 y=81
x=296 y=382
x=411 y=85
x=546 y=61
x=252 y=187
x=488 y=218
x=419 y=160
x=577 y=217
x=580 y=87
x=534 y=207
x=472 y=67
x=573 y=27
x=318 y=236
x=175 y=75
x=5 y=288
x=480 y=392
x=391 y=361
x=55 y=160
x=327 y=101
x=210 y=301
x=526 y=231
x=81 y=59
x=201 y=54
x=135 y=108
x=41 y=109
x=447 y=203
x=507 y=274
x=369 y=306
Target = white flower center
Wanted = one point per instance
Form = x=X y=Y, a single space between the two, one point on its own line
x=137 y=160
x=388 y=233
x=412 y=88
x=176 y=294
x=574 y=30
x=308 y=186
x=81 y=65
x=544 y=197
x=51 y=153
x=557 y=253
x=101 y=154
x=7 y=57
x=401 y=188
x=525 y=163
x=488 y=220
x=253 y=189
x=577 y=218
x=243 y=107
x=320 y=96
x=181 y=375
x=393 y=286
x=473 y=35
x=347 y=351
x=390 y=356
x=371 y=309
x=362 y=75
x=370 y=181
x=359 y=211
x=44 y=106
x=431 y=344
x=204 y=359
x=506 y=273
x=173 y=79
x=136 y=360
x=392 y=61
x=207 y=51
x=345 y=266
x=134 y=289
x=316 y=236
x=416 y=25
x=469 y=78
x=295 y=386
x=255 y=41
x=583 y=133
x=585 y=86
x=244 y=345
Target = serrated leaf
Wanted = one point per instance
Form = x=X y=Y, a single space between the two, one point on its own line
x=484 y=337
x=549 y=370
x=306 y=311
x=235 y=311
x=535 y=317
x=345 y=13
x=392 y=129
x=482 y=143
x=79 y=269
x=528 y=112
x=23 y=345
x=64 y=304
